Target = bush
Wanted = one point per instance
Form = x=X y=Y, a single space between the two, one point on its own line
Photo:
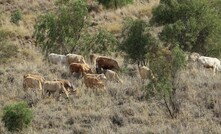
x=193 y=24
x=60 y=31
x=165 y=67
x=137 y=42
x=16 y=16
x=103 y=43
x=114 y=3
x=17 y=116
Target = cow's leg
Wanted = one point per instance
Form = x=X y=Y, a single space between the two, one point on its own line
x=65 y=91
x=40 y=89
x=56 y=95
x=43 y=93
x=214 y=70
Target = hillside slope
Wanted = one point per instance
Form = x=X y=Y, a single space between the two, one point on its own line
x=122 y=109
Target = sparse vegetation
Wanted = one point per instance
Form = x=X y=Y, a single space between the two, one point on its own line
x=16 y=17
x=114 y=3
x=166 y=68
x=17 y=116
x=7 y=50
x=182 y=98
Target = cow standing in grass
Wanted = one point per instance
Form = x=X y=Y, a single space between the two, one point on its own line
x=210 y=62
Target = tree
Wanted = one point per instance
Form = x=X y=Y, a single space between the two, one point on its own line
x=165 y=67
x=137 y=41
x=61 y=30
x=193 y=24
x=103 y=43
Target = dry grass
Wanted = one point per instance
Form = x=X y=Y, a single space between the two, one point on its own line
x=113 y=27
x=113 y=19
x=122 y=108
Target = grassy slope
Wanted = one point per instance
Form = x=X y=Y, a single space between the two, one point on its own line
x=122 y=109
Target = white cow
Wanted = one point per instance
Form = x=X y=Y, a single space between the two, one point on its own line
x=57 y=59
x=210 y=62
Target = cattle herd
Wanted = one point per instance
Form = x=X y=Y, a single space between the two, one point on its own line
x=105 y=69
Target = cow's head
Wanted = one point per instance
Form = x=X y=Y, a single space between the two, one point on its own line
x=102 y=77
x=71 y=87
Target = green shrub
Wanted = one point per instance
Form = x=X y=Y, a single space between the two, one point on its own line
x=166 y=67
x=16 y=16
x=103 y=43
x=193 y=24
x=137 y=41
x=114 y=3
x=17 y=116
x=60 y=31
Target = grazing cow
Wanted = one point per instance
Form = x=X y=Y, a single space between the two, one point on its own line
x=193 y=57
x=32 y=81
x=79 y=68
x=99 y=76
x=93 y=82
x=56 y=87
x=145 y=73
x=112 y=76
x=41 y=78
x=74 y=58
x=210 y=62
x=68 y=85
x=106 y=63
x=93 y=58
x=57 y=59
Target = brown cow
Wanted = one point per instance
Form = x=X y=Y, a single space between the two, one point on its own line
x=99 y=76
x=93 y=82
x=74 y=58
x=67 y=84
x=145 y=73
x=79 y=68
x=103 y=62
x=34 y=75
x=32 y=81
